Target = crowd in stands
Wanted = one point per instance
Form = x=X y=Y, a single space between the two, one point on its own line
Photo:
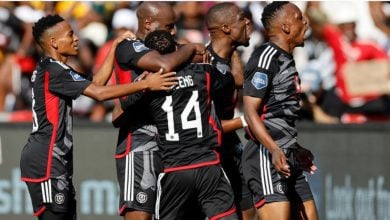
x=342 y=34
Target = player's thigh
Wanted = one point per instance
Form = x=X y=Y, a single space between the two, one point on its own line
x=275 y=211
x=304 y=211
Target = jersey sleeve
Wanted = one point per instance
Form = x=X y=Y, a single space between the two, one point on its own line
x=67 y=82
x=128 y=52
x=257 y=79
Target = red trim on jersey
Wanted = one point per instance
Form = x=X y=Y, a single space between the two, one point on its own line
x=208 y=87
x=221 y=215
x=40 y=211
x=211 y=119
x=52 y=114
x=216 y=129
x=128 y=147
x=260 y=204
x=121 y=210
x=194 y=166
x=124 y=76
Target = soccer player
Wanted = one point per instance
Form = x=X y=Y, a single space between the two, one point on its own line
x=271 y=160
x=46 y=160
x=137 y=162
x=228 y=29
x=188 y=133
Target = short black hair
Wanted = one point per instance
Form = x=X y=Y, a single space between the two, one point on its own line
x=161 y=40
x=218 y=14
x=43 y=24
x=270 y=11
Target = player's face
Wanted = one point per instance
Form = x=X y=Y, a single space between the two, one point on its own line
x=298 y=24
x=165 y=21
x=66 y=40
x=239 y=27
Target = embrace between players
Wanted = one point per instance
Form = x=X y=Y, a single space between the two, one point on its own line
x=178 y=156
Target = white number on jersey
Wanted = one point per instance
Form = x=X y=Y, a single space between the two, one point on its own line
x=192 y=104
x=34 y=114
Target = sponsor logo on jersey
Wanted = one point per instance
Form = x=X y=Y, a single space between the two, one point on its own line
x=142 y=197
x=76 y=76
x=59 y=198
x=260 y=80
x=138 y=47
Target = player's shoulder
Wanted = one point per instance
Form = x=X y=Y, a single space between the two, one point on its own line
x=134 y=45
x=52 y=64
x=265 y=57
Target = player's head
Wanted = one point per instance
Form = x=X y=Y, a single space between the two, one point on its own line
x=228 y=20
x=161 y=40
x=284 y=19
x=53 y=33
x=155 y=16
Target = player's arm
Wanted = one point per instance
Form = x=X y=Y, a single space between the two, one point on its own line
x=104 y=73
x=232 y=124
x=237 y=69
x=257 y=128
x=155 y=81
x=153 y=60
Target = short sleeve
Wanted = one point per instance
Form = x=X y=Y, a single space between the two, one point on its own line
x=257 y=79
x=67 y=82
x=128 y=52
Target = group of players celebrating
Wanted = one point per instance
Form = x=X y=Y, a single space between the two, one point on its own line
x=178 y=155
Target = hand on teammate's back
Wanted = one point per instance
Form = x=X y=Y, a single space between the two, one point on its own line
x=159 y=80
x=126 y=34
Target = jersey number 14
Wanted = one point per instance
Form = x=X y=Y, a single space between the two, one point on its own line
x=192 y=105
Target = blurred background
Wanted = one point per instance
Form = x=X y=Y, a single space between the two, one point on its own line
x=345 y=79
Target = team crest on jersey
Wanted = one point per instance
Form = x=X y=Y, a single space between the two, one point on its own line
x=260 y=80
x=59 y=198
x=138 y=47
x=281 y=187
x=76 y=76
x=142 y=197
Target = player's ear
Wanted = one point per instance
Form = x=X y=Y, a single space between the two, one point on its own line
x=53 y=43
x=286 y=28
x=147 y=23
x=225 y=28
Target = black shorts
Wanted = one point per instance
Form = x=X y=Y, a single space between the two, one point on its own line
x=56 y=195
x=231 y=153
x=137 y=176
x=266 y=184
x=180 y=191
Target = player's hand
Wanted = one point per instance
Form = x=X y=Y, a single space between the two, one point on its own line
x=161 y=81
x=127 y=34
x=199 y=48
x=280 y=162
x=305 y=159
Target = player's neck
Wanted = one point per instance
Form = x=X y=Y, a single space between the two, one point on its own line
x=222 y=48
x=57 y=56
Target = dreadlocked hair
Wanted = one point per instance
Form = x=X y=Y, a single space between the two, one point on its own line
x=43 y=24
x=161 y=40
x=270 y=11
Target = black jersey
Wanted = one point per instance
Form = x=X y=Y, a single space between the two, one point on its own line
x=137 y=132
x=188 y=129
x=225 y=100
x=271 y=75
x=48 y=152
